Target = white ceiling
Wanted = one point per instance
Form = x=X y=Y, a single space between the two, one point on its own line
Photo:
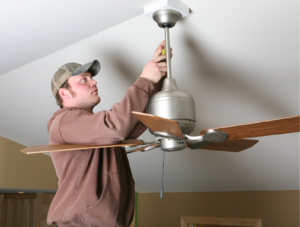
x=33 y=29
x=238 y=59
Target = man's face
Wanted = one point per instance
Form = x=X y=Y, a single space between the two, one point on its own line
x=85 y=92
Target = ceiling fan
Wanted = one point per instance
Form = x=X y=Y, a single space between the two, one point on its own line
x=171 y=118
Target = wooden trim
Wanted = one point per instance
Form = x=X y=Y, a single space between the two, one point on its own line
x=20 y=196
x=1 y=207
x=134 y=220
x=28 y=210
x=185 y=221
x=135 y=210
x=39 y=200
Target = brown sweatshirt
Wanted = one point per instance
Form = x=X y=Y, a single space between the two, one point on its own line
x=95 y=186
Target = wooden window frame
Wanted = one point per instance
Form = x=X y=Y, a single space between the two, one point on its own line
x=185 y=221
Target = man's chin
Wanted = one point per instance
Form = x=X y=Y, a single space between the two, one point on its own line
x=90 y=104
x=96 y=102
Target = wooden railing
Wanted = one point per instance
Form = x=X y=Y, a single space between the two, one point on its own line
x=24 y=210
x=187 y=221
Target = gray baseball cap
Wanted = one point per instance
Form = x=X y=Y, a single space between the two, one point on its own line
x=72 y=69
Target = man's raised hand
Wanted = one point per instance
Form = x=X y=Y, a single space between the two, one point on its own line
x=154 y=70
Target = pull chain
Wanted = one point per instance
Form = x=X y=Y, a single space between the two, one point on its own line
x=162 y=181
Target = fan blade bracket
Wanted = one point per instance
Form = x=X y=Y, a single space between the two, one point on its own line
x=193 y=139
x=165 y=135
x=212 y=135
x=151 y=147
x=143 y=143
x=147 y=146
x=215 y=136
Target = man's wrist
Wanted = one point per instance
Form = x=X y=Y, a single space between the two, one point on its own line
x=144 y=84
x=153 y=82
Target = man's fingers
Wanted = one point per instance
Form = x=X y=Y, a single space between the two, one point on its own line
x=163 y=74
x=162 y=64
x=163 y=69
x=162 y=44
x=157 y=52
x=159 y=49
x=159 y=58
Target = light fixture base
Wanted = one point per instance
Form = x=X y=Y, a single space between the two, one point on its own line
x=166 y=17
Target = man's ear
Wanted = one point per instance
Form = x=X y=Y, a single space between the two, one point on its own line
x=64 y=93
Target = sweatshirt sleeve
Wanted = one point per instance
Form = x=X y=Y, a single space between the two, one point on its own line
x=158 y=86
x=107 y=127
x=140 y=128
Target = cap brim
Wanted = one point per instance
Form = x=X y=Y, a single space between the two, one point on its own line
x=93 y=67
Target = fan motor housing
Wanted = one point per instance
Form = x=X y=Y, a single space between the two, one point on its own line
x=172 y=145
x=174 y=104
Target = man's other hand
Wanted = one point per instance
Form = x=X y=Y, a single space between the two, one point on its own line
x=154 y=70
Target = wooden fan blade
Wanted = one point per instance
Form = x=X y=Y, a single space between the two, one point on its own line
x=143 y=148
x=159 y=124
x=262 y=128
x=232 y=145
x=68 y=147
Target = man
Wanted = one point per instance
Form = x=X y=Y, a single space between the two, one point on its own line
x=96 y=187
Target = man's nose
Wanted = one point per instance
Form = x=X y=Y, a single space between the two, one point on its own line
x=93 y=83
